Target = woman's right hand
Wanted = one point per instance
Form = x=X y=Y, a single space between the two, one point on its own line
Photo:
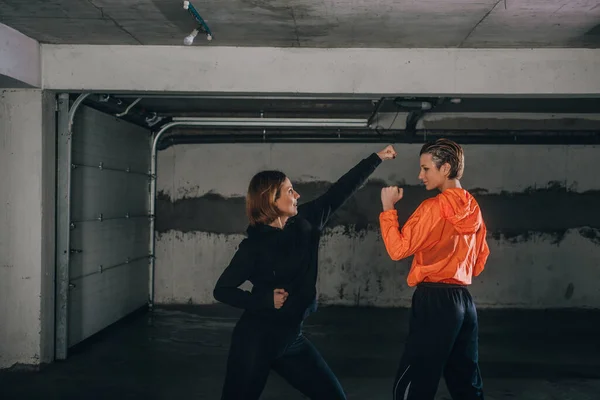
x=279 y=297
x=388 y=153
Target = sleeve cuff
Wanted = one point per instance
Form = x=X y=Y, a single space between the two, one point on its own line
x=267 y=300
x=374 y=158
x=389 y=216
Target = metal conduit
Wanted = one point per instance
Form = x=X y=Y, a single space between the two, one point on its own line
x=276 y=122
x=396 y=136
x=63 y=239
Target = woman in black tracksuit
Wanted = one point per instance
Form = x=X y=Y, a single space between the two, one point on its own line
x=279 y=258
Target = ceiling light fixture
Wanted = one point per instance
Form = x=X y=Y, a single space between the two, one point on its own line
x=189 y=39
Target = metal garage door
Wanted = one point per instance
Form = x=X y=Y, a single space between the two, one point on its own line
x=109 y=224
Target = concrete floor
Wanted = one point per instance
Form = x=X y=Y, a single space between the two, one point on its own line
x=180 y=353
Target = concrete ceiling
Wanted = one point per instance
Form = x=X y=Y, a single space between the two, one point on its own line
x=313 y=23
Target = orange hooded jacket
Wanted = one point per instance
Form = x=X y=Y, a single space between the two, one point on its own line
x=445 y=233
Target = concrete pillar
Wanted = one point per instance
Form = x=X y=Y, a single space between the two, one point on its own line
x=27 y=229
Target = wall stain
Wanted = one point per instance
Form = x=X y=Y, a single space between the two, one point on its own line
x=591 y=234
x=211 y=213
x=341 y=290
x=380 y=284
x=569 y=291
x=550 y=211
x=517 y=217
x=186 y=191
x=357 y=298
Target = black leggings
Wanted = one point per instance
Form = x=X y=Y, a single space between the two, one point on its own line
x=256 y=349
x=442 y=341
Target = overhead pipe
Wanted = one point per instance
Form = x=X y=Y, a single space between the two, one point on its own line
x=329 y=137
x=391 y=136
x=275 y=122
x=73 y=110
x=414 y=105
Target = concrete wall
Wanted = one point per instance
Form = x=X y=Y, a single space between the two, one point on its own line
x=539 y=202
x=27 y=159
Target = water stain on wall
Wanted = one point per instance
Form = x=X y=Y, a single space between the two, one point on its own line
x=569 y=291
x=518 y=217
x=211 y=213
x=591 y=234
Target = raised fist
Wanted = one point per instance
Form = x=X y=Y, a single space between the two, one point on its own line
x=391 y=195
x=388 y=153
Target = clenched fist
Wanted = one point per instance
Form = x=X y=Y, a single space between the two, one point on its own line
x=388 y=153
x=279 y=297
x=389 y=196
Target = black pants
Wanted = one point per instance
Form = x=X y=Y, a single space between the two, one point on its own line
x=442 y=341
x=256 y=348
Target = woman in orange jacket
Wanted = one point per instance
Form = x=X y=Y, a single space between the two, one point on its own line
x=446 y=235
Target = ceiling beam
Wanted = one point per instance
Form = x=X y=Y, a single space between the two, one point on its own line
x=358 y=71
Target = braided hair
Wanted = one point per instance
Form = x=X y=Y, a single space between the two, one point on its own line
x=446 y=151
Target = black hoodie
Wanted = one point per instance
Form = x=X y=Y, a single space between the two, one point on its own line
x=272 y=258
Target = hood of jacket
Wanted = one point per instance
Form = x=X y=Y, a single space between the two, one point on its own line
x=461 y=209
